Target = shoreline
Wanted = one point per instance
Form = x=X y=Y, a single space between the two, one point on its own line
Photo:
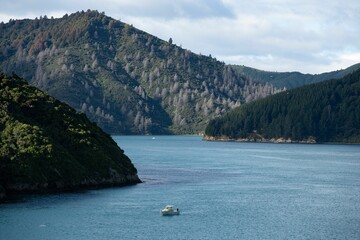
x=258 y=139
x=310 y=140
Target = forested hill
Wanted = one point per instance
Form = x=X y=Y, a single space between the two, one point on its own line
x=45 y=145
x=291 y=80
x=124 y=79
x=324 y=112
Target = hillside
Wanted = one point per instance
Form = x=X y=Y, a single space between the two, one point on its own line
x=291 y=80
x=324 y=112
x=125 y=80
x=45 y=145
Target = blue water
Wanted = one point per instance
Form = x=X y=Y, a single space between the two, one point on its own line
x=224 y=191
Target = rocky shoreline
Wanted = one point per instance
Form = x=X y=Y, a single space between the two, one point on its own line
x=258 y=138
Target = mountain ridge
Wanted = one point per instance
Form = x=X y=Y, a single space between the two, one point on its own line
x=293 y=79
x=125 y=80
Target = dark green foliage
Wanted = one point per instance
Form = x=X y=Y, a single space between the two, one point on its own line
x=45 y=144
x=328 y=111
x=125 y=80
x=291 y=79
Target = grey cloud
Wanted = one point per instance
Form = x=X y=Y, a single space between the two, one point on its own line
x=142 y=8
x=33 y=7
x=177 y=9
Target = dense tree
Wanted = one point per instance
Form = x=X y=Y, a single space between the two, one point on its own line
x=326 y=112
x=46 y=145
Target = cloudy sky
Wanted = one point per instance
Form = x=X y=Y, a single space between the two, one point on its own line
x=310 y=36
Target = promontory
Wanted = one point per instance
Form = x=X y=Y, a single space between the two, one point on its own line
x=325 y=112
x=46 y=146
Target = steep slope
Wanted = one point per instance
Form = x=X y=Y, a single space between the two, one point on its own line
x=125 y=80
x=324 y=112
x=291 y=79
x=45 y=145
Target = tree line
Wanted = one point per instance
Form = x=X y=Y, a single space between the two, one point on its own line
x=328 y=112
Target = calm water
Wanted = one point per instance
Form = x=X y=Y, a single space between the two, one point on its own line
x=224 y=190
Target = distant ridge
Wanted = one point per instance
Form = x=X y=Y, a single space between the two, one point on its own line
x=323 y=112
x=291 y=80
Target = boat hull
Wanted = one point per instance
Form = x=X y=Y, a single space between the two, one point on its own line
x=170 y=213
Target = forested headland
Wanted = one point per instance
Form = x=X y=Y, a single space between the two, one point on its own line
x=324 y=112
x=45 y=145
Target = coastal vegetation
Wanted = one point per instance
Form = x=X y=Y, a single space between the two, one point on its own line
x=45 y=145
x=324 y=112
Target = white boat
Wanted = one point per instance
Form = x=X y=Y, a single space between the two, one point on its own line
x=169 y=210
